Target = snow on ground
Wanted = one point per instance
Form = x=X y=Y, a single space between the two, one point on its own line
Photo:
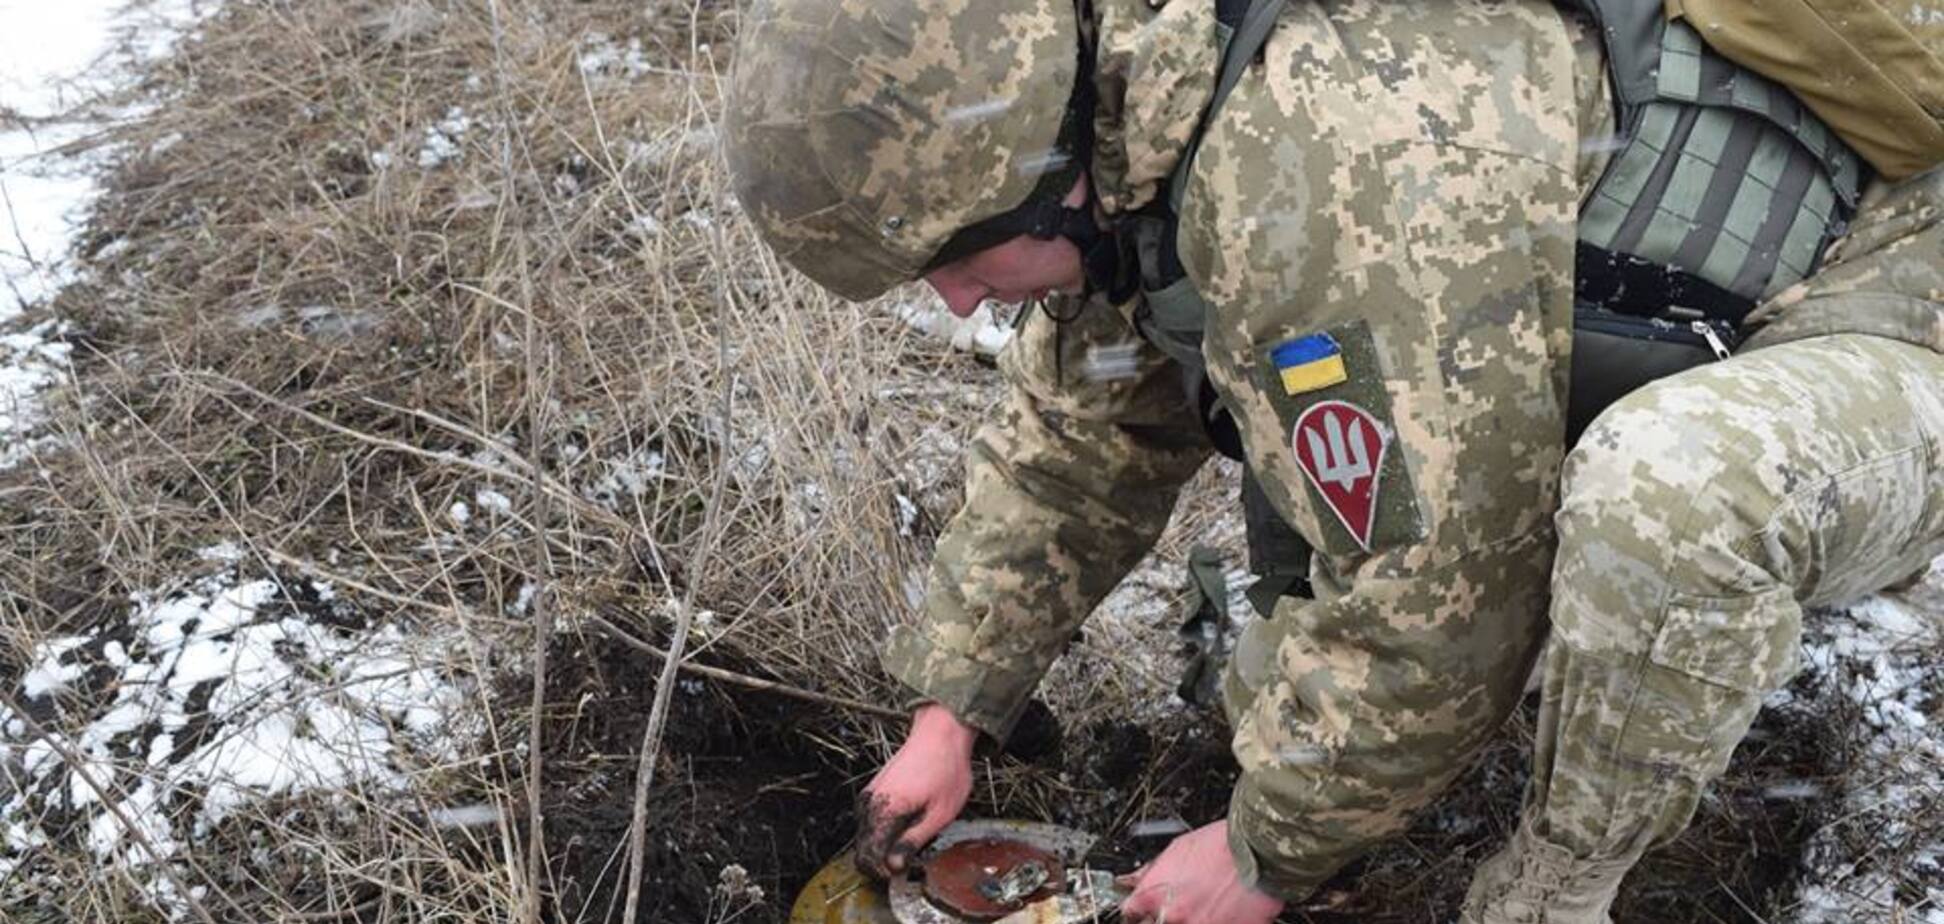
x=206 y=699
x=199 y=701
x=1878 y=657
x=54 y=58
x=30 y=361
x=603 y=57
x=981 y=333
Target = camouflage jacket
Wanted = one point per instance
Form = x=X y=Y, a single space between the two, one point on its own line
x=1337 y=193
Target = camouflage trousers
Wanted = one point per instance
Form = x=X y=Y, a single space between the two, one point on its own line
x=1700 y=515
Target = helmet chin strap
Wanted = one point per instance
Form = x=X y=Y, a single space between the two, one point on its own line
x=1102 y=269
x=1046 y=216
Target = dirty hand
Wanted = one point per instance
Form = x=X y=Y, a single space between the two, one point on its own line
x=1193 y=882
x=919 y=791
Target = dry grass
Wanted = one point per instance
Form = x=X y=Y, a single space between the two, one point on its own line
x=295 y=337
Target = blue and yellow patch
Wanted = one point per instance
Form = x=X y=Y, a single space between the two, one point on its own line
x=1309 y=363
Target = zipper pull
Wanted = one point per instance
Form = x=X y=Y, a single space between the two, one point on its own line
x=1707 y=331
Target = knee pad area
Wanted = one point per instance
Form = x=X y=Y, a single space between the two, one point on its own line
x=1639 y=527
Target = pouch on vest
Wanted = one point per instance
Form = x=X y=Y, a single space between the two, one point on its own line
x=1615 y=353
x=1870 y=68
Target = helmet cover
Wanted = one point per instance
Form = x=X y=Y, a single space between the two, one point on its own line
x=862 y=134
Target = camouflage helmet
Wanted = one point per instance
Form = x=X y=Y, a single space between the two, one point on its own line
x=865 y=135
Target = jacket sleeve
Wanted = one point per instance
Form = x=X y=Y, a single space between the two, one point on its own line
x=1392 y=284
x=1065 y=492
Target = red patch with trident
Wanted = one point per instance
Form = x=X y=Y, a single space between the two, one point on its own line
x=1340 y=446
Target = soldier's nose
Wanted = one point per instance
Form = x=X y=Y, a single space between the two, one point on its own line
x=961 y=296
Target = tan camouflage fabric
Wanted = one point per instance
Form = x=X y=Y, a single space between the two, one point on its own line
x=862 y=135
x=1701 y=515
x=1404 y=177
x=1382 y=176
x=1155 y=71
x=1065 y=492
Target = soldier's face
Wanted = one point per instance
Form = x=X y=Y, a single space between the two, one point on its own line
x=1013 y=272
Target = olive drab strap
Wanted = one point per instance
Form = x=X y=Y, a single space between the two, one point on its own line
x=1173 y=312
x=1724 y=187
x=1205 y=629
x=1171 y=317
x=1279 y=556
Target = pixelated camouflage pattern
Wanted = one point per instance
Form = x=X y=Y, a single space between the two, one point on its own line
x=1411 y=168
x=1885 y=277
x=861 y=135
x=1065 y=492
x=1701 y=514
x=1154 y=72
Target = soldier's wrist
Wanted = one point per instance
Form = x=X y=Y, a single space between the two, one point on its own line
x=934 y=726
x=1255 y=866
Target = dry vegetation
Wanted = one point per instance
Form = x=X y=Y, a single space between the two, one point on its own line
x=295 y=336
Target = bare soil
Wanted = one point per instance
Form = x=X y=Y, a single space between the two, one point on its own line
x=749 y=784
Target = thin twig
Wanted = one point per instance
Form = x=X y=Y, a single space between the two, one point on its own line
x=543 y=615
x=79 y=766
x=556 y=489
x=712 y=528
x=754 y=683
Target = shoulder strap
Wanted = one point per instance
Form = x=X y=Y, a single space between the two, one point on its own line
x=1173 y=313
x=1240 y=48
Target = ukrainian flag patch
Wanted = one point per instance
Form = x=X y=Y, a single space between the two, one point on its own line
x=1309 y=363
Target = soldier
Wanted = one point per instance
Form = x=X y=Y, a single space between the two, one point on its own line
x=1383 y=212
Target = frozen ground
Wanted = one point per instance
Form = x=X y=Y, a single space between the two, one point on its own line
x=194 y=701
x=145 y=734
x=162 y=725
x=1878 y=661
x=55 y=60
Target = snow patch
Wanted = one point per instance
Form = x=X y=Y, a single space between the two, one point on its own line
x=627 y=478
x=603 y=57
x=444 y=141
x=981 y=332
x=523 y=599
x=54 y=57
x=200 y=702
x=1880 y=656
x=907 y=514
x=493 y=501
x=30 y=361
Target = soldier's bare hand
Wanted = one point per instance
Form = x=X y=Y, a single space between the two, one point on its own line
x=1194 y=882
x=919 y=791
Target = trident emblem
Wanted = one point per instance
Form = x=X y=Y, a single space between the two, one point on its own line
x=1343 y=463
x=1337 y=462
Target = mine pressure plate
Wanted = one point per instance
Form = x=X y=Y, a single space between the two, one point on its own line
x=1010 y=872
